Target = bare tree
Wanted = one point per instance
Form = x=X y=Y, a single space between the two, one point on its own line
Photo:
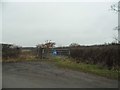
x=116 y=8
x=45 y=47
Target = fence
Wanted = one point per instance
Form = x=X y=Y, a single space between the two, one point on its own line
x=46 y=53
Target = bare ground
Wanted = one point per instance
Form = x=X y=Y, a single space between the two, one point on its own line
x=46 y=75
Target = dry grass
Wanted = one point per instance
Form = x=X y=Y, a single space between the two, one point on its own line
x=24 y=56
x=87 y=68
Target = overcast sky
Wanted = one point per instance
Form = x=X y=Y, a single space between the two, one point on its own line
x=30 y=23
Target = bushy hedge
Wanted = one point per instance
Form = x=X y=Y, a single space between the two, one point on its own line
x=10 y=51
x=106 y=55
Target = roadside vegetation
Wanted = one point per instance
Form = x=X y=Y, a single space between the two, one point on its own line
x=23 y=57
x=10 y=51
x=104 y=55
x=13 y=53
x=69 y=63
x=102 y=60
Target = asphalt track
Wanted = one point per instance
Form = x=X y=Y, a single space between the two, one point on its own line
x=47 y=75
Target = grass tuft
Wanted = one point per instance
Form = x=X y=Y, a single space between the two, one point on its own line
x=87 y=68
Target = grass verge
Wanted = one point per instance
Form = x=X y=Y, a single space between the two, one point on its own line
x=87 y=68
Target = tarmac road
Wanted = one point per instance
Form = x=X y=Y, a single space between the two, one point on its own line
x=47 y=75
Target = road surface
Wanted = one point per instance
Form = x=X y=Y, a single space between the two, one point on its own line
x=0 y=74
x=47 y=75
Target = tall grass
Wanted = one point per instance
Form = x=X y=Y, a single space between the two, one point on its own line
x=23 y=56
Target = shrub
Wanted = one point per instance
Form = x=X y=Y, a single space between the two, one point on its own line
x=10 y=51
x=106 y=55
